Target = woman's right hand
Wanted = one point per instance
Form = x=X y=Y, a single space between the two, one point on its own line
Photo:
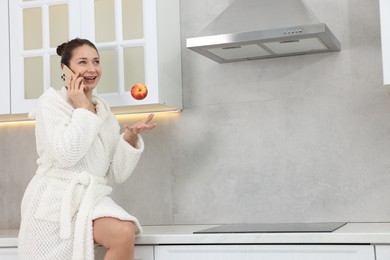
x=76 y=92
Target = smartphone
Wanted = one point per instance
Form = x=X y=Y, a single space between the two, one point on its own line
x=67 y=74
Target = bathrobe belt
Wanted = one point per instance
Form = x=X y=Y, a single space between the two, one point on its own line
x=91 y=195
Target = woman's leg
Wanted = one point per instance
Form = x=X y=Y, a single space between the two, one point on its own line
x=116 y=236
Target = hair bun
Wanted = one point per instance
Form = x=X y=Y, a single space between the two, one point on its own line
x=65 y=50
x=60 y=49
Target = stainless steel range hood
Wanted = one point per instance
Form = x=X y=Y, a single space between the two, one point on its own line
x=261 y=29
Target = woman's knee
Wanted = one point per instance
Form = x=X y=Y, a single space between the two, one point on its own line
x=125 y=233
x=110 y=232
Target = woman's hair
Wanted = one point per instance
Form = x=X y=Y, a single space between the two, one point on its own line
x=65 y=50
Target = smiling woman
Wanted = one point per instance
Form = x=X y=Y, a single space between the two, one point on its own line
x=66 y=207
x=82 y=58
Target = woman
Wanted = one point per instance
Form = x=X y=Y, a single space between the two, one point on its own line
x=66 y=207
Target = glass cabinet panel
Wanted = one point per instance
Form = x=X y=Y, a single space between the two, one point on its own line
x=109 y=80
x=32 y=28
x=132 y=16
x=134 y=66
x=56 y=72
x=59 y=29
x=33 y=77
x=104 y=20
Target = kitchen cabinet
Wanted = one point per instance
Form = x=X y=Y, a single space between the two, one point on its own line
x=269 y=252
x=4 y=60
x=10 y=253
x=382 y=252
x=140 y=253
x=138 y=41
x=385 y=37
x=248 y=252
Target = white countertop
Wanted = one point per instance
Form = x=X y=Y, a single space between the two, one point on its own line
x=351 y=233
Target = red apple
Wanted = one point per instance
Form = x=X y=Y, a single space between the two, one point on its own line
x=139 y=91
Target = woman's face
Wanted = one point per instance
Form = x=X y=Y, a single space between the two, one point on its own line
x=86 y=61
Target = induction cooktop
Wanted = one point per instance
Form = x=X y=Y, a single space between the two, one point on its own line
x=273 y=228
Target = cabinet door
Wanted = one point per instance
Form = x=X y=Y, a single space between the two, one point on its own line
x=271 y=252
x=143 y=253
x=4 y=60
x=139 y=42
x=9 y=254
x=382 y=252
x=140 y=253
x=117 y=28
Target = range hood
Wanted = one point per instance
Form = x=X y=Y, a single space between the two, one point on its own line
x=261 y=29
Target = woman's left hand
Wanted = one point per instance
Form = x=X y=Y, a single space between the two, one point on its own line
x=131 y=132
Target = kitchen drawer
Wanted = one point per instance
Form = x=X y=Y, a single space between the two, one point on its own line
x=9 y=253
x=140 y=253
x=382 y=252
x=269 y=252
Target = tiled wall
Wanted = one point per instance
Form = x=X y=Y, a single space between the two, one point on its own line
x=304 y=138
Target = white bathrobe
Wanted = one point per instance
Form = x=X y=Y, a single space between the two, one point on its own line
x=78 y=152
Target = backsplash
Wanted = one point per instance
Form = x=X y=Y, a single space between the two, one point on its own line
x=295 y=139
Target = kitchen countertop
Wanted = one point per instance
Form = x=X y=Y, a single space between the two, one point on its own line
x=351 y=233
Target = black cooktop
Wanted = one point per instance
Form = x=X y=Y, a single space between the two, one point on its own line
x=274 y=228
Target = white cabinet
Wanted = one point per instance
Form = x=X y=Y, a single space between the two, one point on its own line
x=382 y=252
x=138 y=41
x=140 y=253
x=269 y=252
x=144 y=253
x=4 y=60
x=385 y=37
x=150 y=55
x=10 y=253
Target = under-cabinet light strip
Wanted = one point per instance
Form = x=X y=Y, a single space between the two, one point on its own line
x=120 y=116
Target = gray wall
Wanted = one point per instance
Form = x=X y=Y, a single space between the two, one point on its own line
x=304 y=138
